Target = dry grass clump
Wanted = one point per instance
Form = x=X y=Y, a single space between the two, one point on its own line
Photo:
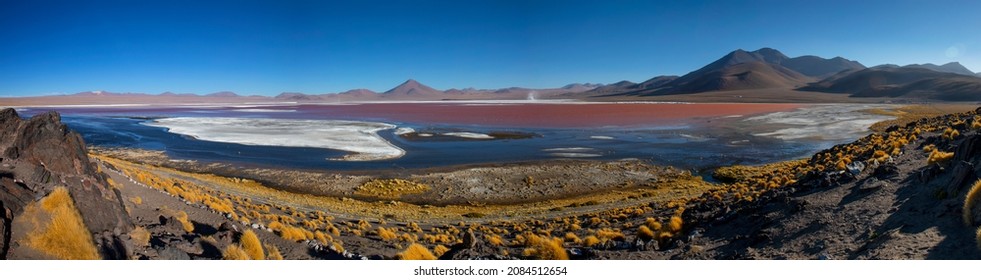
x=969 y=201
x=185 y=223
x=136 y=200
x=978 y=237
x=571 y=237
x=495 y=239
x=645 y=233
x=252 y=246
x=937 y=156
x=544 y=248
x=652 y=224
x=415 y=251
x=590 y=241
x=675 y=224
x=609 y=234
x=289 y=232
x=234 y=252
x=439 y=250
x=880 y=156
x=64 y=235
x=390 y=188
x=272 y=253
x=140 y=236
x=386 y=234
x=322 y=238
x=951 y=133
x=739 y=173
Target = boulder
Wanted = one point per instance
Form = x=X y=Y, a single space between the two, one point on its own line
x=42 y=154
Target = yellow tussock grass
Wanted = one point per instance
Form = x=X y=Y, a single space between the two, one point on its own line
x=390 y=188
x=969 y=201
x=675 y=224
x=272 y=253
x=290 y=233
x=652 y=224
x=571 y=237
x=234 y=252
x=978 y=237
x=937 y=156
x=609 y=234
x=416 y=252
x=590 y=241
x=64 y=236
x=645 y=233
x=544 y=248
x=182 y=218
x=136 y=200
x=252 y=246
x=322 y=238
x=439 y=250
x=495 y=240
x=140 y=236
x=386 y=234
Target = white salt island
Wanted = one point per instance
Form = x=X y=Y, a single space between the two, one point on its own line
x=358 y=137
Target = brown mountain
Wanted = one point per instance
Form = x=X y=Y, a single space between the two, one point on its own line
x=953 y=67
x=820 y=68
x=412 y=88
x=765 y=68
x=617 y=87
x=873 y=79
x=945 y=88
x=41 y=155
x=750 y=75
x=903 y=82
x=222 y=94
x=653 y=83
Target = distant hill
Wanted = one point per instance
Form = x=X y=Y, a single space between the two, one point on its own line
x=222 y=94
x=872 y=78
x=953 y=67
x=908 y=82
x=817 y=67
x=617 y=87
x=653 y=83
x=946 y=88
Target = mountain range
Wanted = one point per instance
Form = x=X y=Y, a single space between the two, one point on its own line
x=742 y=71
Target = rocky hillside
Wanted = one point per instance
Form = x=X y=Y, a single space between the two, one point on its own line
x=907 y=193
x=41 y=160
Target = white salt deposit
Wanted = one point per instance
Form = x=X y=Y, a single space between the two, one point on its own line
x=825 y=122
x=570 y=149
x=265 y=110
x=601 y=137
x=404 y=130
x=574 y=155
x=471 y=135
x=359 y=138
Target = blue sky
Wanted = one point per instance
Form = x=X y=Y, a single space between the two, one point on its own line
x=268 y=47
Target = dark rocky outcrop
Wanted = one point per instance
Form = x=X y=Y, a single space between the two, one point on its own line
x=41 y=153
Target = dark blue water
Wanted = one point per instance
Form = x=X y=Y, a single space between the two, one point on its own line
x=684 y=146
